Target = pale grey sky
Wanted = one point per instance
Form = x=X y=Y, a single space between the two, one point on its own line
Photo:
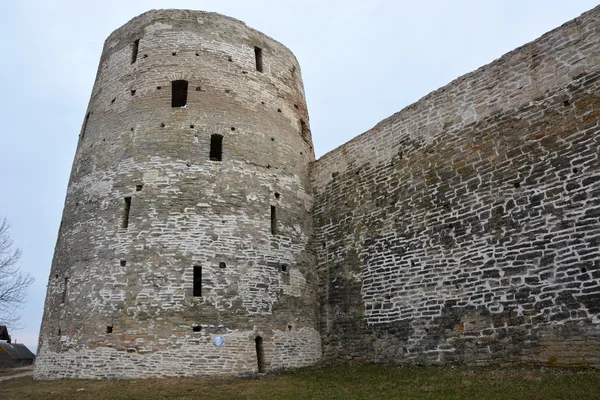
x=361 y=62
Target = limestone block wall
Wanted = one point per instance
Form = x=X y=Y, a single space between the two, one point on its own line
x=170 y=239
x=466 y=227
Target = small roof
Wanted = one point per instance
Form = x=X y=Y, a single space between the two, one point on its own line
x=17 y=351
x=4 y=333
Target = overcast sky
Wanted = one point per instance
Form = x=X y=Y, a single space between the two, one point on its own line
x=361 y=62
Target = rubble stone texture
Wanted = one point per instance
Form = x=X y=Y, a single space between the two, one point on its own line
x=120 y=299
x=463 y=229
x=466 y=227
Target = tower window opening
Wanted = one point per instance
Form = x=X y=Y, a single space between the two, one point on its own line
x=85 y=123
x=179 y=93
x=64 y=293
x=59 y=332
x=123 y=263
x=273 y=220
x=258 y=58
x=126 y=212
x=109 y=329
x=197 y=281
x=260 y=354
x=304 y=129
x=196 y=328
x=216 y=147
x=134 y=50
x=222 y=264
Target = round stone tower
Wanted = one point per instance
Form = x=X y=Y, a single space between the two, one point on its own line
x=183 y=248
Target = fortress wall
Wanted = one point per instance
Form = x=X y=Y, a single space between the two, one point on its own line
x=121 y=298
x=466 y=227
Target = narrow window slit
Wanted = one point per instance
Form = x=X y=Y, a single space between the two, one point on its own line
x=197 y=291
x=123 y=263
x=109 y=328
x=85 y=123
x=126 y=212
x=222 y=265
x=179 y=93
x=260 y=354
x=196 y=328
x=258 y=58
x=64 y=293
x=216 y=147
x=273 y=220
x=134 y=51
x=304 y=129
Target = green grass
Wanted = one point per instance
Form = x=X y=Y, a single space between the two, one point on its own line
x=333 y=382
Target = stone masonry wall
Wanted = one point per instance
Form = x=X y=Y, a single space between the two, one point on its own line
x=466 y=227
x=120 y=299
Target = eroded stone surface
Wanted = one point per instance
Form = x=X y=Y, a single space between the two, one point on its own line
x=185 y=211
x=465 y=228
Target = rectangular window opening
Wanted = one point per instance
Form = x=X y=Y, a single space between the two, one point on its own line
x=85 y=123
x=304 y=130
x=258 y=58
x=216 y=148
x=273 y=220
x=64 y=294
x=179 y=91
x=109 y=329
x=134 y=50
x=126 y=212
x=197 y=281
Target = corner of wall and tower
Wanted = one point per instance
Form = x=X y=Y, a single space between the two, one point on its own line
x=198 y=225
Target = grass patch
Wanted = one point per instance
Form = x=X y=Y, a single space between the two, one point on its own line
x=333 y=382
x=14 y=371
